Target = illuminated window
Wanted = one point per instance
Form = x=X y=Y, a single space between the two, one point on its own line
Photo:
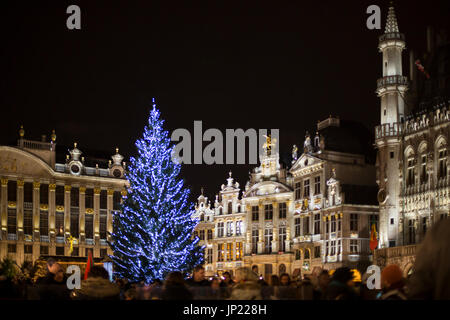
x=220 y=252
x=229 y=252
x=268 y=237
x=239 y=250
x=282 y=239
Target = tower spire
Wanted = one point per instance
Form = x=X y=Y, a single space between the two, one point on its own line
x=391 y=22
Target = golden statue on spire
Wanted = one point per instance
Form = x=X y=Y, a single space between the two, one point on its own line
x=269 y=143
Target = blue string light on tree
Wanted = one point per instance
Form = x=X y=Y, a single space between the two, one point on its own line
x=153 y=232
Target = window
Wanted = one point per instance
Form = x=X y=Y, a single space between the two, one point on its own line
x=43 y=193
x=229 y=228
x=317 y=223
x=412 y=232
x=103 y=199
x=333 y=247
x=306 y=189
x=220 y=229
x=59 y=251
x=297 y=255
x=75 y=197
x=238 y=227
x=333 y=223
x=268 y=212
x=28 y=249
x=392 y=221
x=12 y=190
x=305 y=226
x=317 y=185
x=202 y=234
x=59 y=194
x=282 y=210
x=220 y=211
x=298 y=190
x=230 y=208
x=103 y=253
x=210 y=236
x=12 y=221
x=255 y=239
x=353 y=222
x=268 y=237
x=74 y=222
x=43 y=250
x=424 y=174
x=76 y=252
x=89 y=198
x=102 y=221
x=220 y=252
x=392 y=154
x=59 y=224
x=43 y=223
x=255 y=213
x=424 y=225
x=28 y=192
x=297 y=227
x=229 y=252
x=89 y=226
x=307 y=255
x=317 y=252
x=353 y=246
x=339 y=223
x=442 y=172
x=202 y=217
x=210 y=256
x=28 y=222
x=117 y=199
x=282 y=239
x=326 y=248
x=410 y=173
x=339 y=247
x=239 y=250
x=12 y=248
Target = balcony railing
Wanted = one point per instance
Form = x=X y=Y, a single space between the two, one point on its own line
x=388 y=130
x=36 y=145
x=392 y=36
x=392 y=80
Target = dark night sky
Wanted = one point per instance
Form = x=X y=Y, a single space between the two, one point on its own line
x=234 y=64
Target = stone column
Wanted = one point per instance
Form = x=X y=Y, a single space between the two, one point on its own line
x=3 y=217
x=109 y=217
x=275 y=227
x=261 y=241
x=288 y=239
x=248 y=242
x=36 y=219
x=20 y=235
x=67 y=189
x=51 y=217
x=96 y=222
x=4 y=209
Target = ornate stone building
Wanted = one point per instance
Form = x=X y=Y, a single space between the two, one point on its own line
x=50 y=201
x=412 y=141
x=315 y=214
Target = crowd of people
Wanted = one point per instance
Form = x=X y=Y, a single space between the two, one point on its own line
x=430 y=280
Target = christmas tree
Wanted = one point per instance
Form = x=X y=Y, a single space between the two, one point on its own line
x=153 y=232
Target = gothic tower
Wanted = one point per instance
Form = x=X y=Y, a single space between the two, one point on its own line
x=391 y=89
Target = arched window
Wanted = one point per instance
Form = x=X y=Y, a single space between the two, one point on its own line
x=297 y=255
x=230 y=207
x=220 y=211
x=238 y=208
x=202 y=217
x=307 y=255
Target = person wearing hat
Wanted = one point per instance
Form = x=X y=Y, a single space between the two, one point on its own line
x=392 y=283
x=341 y=286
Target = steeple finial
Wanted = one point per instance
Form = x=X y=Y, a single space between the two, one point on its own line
x=391 y=22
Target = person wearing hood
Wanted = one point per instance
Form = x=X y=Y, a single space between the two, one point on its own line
x=341 y=285
x=392 y=283
x=247 y=286
x=431 y=276
x=97 y=287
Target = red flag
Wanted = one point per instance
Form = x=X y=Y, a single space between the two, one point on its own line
x=88 y=265
x=373 y=238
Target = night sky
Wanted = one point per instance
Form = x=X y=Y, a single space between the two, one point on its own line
x=233 y=64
